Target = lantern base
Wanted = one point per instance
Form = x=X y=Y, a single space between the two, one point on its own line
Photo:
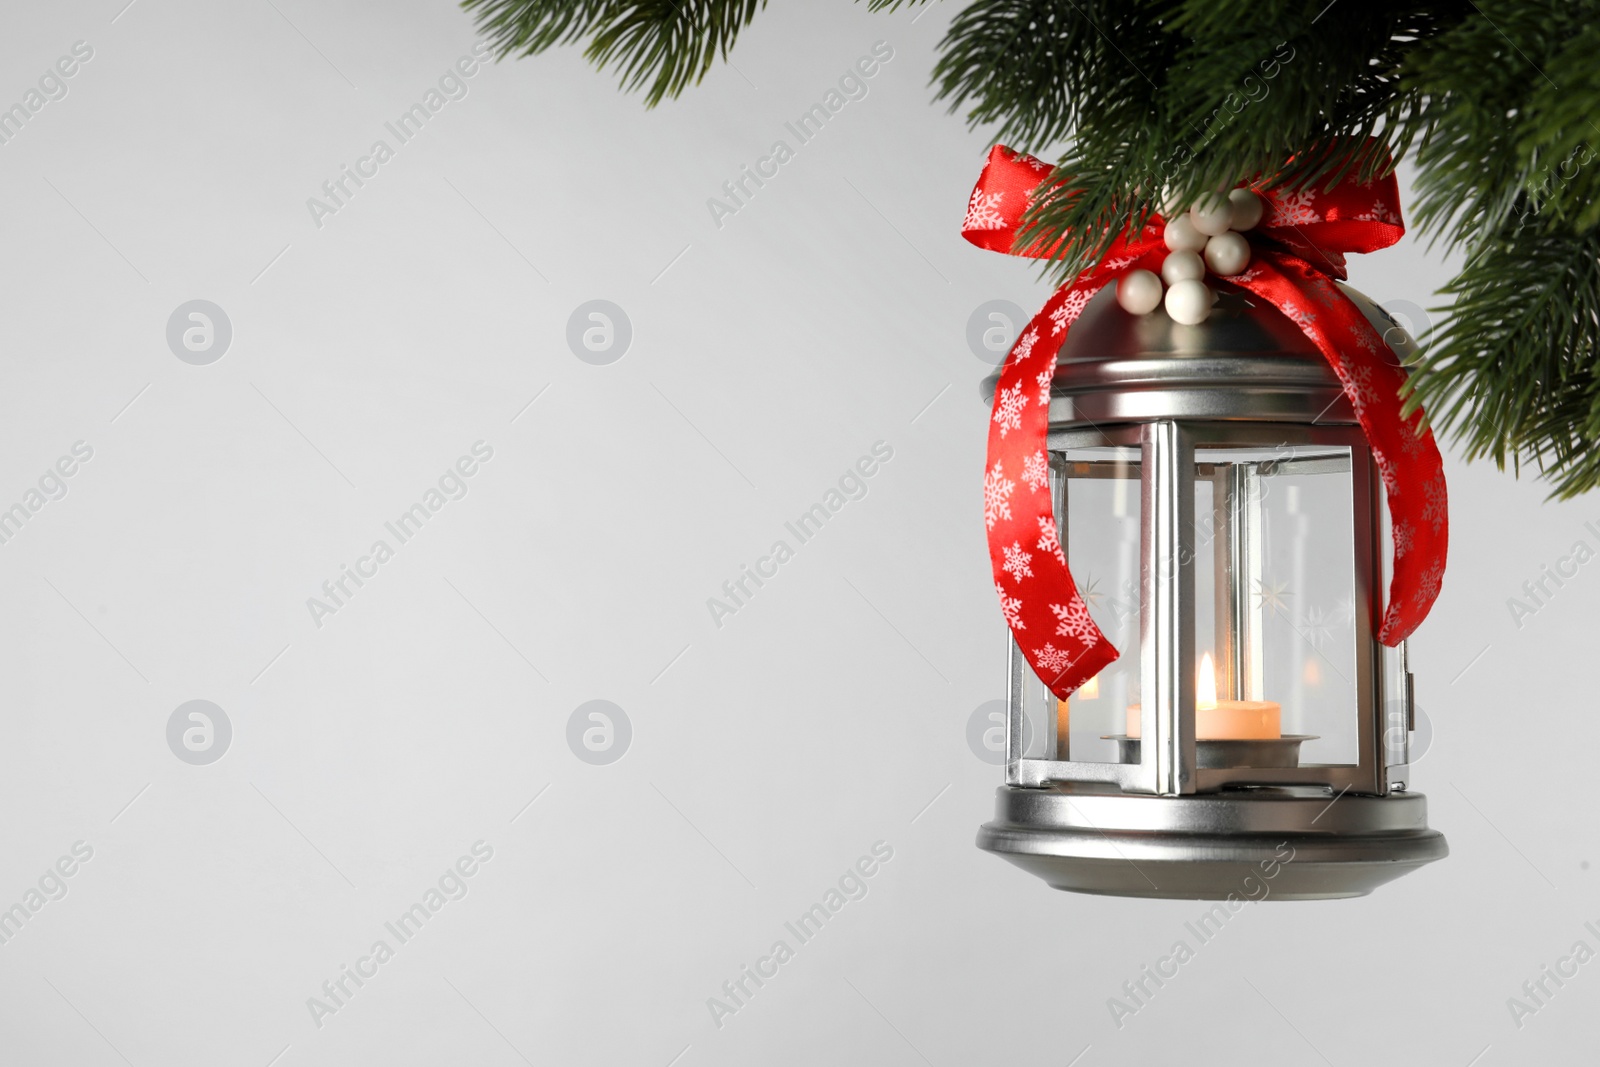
x=1247 y=844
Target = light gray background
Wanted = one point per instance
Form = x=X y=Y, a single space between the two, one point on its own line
x=767 y=755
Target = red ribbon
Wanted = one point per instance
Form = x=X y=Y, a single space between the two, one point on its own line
x=1296 y=249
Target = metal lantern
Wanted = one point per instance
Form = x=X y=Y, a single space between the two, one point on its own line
x=1220 y=507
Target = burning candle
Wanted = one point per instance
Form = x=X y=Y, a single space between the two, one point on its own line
x=1223 y=720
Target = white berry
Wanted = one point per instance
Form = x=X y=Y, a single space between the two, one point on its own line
x=1182 y=267
x=1211 y=214
x=1227 y=254
x=1139 y=292
x=1181 y=236
x=1246 y=208
x=1189 y=302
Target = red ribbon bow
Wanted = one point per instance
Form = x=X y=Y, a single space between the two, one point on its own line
x=1295 y=251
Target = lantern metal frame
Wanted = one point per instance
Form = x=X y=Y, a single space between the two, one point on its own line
x=1167 y=826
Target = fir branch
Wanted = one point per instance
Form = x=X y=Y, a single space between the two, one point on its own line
x=1038 y=69
x=1143 y=102
x=1514 y=368
x=1266 y=103
x=661 y=46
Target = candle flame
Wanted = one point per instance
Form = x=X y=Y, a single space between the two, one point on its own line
x=1205 y=687
x=1090 y=690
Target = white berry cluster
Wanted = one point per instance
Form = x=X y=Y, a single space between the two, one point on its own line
x=1205 y=236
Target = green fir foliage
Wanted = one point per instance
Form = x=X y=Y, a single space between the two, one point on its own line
x=1141 y=101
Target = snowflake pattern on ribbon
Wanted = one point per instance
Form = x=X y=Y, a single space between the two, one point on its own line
x=1379 y=212
x=1053 y=659
x=1072 y=620
x=1008 y=409
x=1036 y=471
x=1011 y=608
x=1359 y=388
x=997 y=492
x=1049 y=538
x=1068 y=312
x=1046 y=378
x=983 y=212
x=1432 y=578
x=1025 y=343
x=1412 y=443
x=1017 y=562
x=1300 y=315
x=1434 y=508
x=1292 y=209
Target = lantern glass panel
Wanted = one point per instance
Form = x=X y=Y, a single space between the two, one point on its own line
x=1276 y=597
x=1099 y=499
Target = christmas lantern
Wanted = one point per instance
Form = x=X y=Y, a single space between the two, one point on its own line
x=1191 y=512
